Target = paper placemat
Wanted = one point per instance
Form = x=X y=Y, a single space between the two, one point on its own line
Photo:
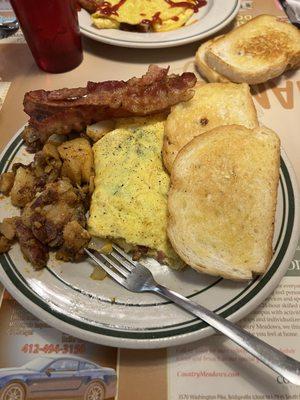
x=217 y=369
x=24 y=338
x=17 y=38
x=5 y=5
x=211 y=369
x=4 y=86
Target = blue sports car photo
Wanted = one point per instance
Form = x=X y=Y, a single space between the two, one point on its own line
x=58 y=378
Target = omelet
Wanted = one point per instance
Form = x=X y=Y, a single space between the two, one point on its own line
x=129 y=203
x=159 y=15
x=135 y=122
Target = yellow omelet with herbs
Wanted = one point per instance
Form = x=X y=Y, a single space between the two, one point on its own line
x=129 y=203
x=160 y=13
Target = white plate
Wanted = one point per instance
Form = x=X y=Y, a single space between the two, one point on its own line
x=208 y=20
x=65 y=297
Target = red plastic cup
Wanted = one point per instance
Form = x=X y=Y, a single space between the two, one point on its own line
x=51 y=30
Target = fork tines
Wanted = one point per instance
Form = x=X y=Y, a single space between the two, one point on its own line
x=117 y=260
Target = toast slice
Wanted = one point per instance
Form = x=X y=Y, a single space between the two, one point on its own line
x=222 y=201
x=205 y=71
x=213 y=104
x=256 y=51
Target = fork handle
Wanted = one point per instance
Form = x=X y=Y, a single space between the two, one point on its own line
x=273 y=358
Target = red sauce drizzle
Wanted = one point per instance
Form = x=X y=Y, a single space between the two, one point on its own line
x=107 y=9
x=185 y=4
x=155 y=19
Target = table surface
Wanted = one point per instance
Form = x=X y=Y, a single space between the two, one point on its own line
x=277 y=102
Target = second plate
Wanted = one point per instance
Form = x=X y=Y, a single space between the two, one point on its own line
x=209 y=20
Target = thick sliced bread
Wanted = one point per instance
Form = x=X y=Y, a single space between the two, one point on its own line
x=213 y=104
x=222 y=201
x=206 y=72
x=256 y=51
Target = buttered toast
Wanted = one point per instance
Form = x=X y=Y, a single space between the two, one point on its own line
x=257 y=51
x=206 y=72
x=213 y=104
x=222 y=201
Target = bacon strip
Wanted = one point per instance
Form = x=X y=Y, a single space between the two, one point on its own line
x=66 y=110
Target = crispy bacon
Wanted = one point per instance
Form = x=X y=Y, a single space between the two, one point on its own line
x=66 y=110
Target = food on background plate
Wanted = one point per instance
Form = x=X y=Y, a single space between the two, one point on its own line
x=129 y=203
x=214 y=104
x=89 y=5
x=67 y=110
x=141 y=15
x=259 y=50
x=222 y=201
x=200 y=60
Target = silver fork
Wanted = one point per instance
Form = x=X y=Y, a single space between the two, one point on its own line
x=137 y=278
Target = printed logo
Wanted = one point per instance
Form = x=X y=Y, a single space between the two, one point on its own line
x=284 y=93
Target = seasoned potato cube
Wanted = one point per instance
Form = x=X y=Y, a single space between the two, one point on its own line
x=6 y=182
x=78 y=163
x=50 y=150
x=98 y=274
x=99 y=129
x=75 y=239
x=5 y=244
x=72 y=170
x=8 y=227
x=24 y=187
